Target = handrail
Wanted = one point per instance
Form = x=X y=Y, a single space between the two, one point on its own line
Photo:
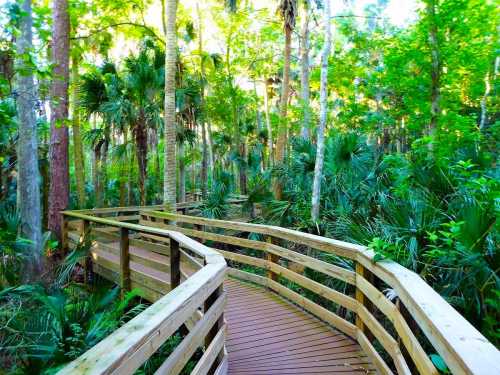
x=462 y=347
x=126 y=349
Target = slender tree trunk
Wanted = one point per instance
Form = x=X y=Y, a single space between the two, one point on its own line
x=169 y=186
x=131 y=182
x=268 y=125
x=487 y=89
x=320 y=145
x=304 y=70
x=282 y=128
x=435 y=66
x=59 y=163
x=77 y=138
x=141 y=144
x=29 y=208
x=204 y=162
x=182 y=174
x=103 y=172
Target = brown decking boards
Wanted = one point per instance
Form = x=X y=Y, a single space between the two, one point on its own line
x=267 y=335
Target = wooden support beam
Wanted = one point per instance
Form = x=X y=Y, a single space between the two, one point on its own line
x=273 y=258
x=360 y=297
x=124 y=260
x=175 y=260
x=212 y=333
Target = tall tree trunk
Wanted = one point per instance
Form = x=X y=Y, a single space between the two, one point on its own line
x=141 y=144
x=169 y=186
x=103 y=172
x=487 y=89
x=77 y=138
x=435 y=66
x=320 y=145
x=204 y=162
x=182 y=174
x=27 y=150
x=59 y=163
x=131 y=178
x=304 y=70
x=268 y=126
x=282 y=125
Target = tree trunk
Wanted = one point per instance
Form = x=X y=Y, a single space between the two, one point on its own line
x=182 y=174
x=282 y=128
x=30 y=226
x=320 y=145
x=304 y=70
x=103 y=172
x=268 y=125
x=169 y=186
x=77 y=138
x=487 y=89
x=141 y=148
x=59 y=163
x=435 y=66
x=204 y=162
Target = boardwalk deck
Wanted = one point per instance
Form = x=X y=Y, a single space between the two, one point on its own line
x=266 y=334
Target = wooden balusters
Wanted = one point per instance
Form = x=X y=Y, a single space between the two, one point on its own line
x=175 y=264
x=124 y=260
x=360 y=297
x=217 y=326
x=271 y=258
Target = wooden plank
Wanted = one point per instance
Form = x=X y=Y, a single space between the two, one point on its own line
x=139 y=338
x=318 y=311
x=312 y=263
x=462 y=347
x=245 y=259
x=415 y=350
x=176 y=361
x=373 y=354
x=175 y=267
x=210 y=355
x=247 y=276
x=124 y=261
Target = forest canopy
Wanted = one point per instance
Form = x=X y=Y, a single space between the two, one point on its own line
x=375 y=122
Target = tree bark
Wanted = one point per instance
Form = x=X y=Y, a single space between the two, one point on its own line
x=304 y=70
x=141 y=144
x=435 y=66
x=204 y=162
x=182 y=174
x=77 y=138
x=320 y=145
x=285 y=93
x=169 y=186
x=268 y=125
x=59 y=137
x=29 y=208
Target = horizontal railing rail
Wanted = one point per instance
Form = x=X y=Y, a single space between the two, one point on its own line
x=409 y=328
x=201 y=296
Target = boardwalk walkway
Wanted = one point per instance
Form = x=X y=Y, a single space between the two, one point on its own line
x=266 y=334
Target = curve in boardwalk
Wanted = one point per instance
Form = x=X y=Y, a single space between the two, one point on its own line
x=268 y=335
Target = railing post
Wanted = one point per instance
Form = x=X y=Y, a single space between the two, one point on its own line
x=217 y=326
x=175 y=264
x=64 y=234
x=85 y=241
x=361 y=298
x=124 y=261
x=272 y=258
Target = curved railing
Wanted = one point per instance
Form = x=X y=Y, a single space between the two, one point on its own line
x=201 y=296
x=398 y=334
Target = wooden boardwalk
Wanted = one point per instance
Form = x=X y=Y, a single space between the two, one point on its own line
x=266 y=334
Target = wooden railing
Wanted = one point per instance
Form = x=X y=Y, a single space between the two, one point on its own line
x=398 y=334
x=200 y=295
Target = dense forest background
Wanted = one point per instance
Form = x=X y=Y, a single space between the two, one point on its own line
x=361 y=128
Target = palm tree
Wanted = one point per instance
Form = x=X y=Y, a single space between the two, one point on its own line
x=169 y=185
x=288 y=11
x=143 y=90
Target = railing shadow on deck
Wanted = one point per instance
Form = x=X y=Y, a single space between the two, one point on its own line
x=398 y=335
